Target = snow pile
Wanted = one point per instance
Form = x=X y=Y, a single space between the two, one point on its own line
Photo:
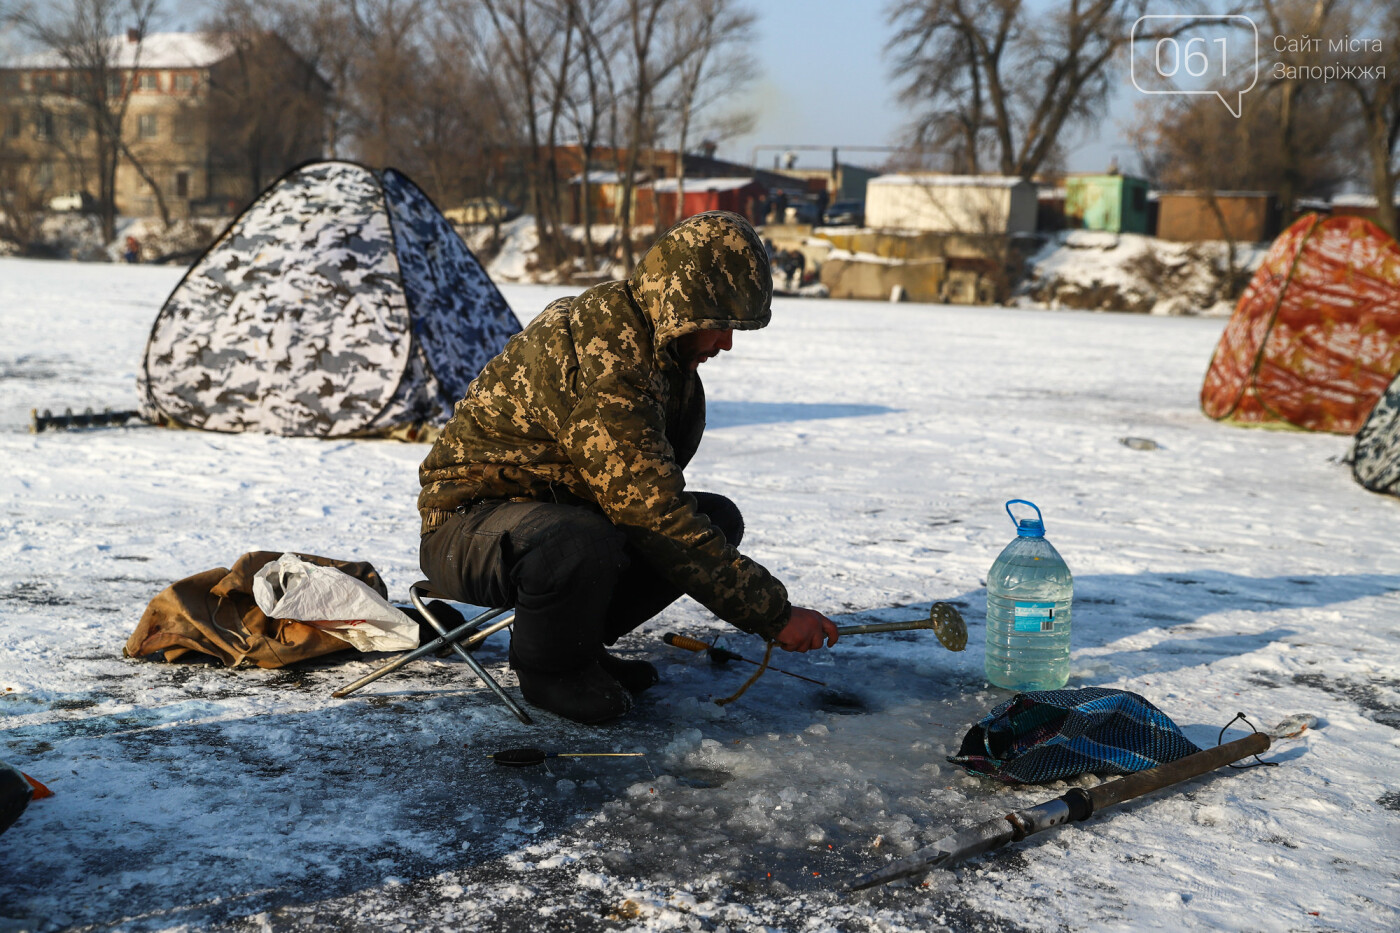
x=845 y=255
x=1101 y=271
x=79 y=236
x=507 y=251
x=871 y=447
x=181 y=242
x=511 y=254
x=56 y=235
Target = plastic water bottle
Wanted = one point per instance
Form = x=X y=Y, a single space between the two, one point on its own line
x=1029 y=591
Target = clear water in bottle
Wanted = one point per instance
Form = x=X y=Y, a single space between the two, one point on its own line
x=1029 y=591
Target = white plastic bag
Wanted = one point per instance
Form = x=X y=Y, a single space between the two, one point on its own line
x=335 y=602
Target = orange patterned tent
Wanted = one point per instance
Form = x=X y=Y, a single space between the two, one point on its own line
x=1315 y=338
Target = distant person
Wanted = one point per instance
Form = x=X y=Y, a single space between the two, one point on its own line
x=558 y=487
x=793 y=266
x=756 y=209
x=132 y=251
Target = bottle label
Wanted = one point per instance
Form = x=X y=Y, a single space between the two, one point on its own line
x=1035 y=617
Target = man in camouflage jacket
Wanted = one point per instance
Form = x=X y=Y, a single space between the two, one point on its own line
x=557 y=487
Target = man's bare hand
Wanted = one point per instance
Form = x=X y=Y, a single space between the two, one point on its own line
x=806 y=629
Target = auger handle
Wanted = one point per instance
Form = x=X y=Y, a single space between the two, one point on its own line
x=1174 y=772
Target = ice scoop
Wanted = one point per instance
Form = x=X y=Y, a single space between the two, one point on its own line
x=945 y=620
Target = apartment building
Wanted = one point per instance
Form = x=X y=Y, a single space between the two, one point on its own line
x=210 y=119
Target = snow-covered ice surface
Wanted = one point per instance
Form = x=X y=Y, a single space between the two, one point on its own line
x=871 y=447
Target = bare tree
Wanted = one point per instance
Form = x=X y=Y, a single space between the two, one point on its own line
x=265 y=100
x=615 y=69
x=1187 y=141
x=557 y=97
x=943 y=76
x=649 y=69
x=535 y=41
x=1295 y=97
x=451 y=129
x=1364 y=103
x=1377 y=93
x=711 y=43
x=1000 y=80
x=389 y=63
x=593 y=105
x=21 y=198
x=1195 y=144
x=324 y=34
x=83 y=35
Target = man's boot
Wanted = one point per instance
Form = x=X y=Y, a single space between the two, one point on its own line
x=635 y=675
x=586 y=694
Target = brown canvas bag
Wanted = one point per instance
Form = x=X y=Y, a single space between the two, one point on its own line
x=213 y=613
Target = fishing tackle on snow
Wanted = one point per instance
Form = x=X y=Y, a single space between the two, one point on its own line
x=1077 y=804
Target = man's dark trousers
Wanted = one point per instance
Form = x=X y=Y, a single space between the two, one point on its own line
x=573 y=579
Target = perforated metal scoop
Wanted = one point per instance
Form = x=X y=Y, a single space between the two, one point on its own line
x=945 y=620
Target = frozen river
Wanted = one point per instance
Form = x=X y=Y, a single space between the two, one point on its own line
x=871 y=447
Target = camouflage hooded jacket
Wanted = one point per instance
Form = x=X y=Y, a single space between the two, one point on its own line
x=591 y=404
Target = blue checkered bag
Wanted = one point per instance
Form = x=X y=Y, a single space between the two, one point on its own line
x=1050 y=735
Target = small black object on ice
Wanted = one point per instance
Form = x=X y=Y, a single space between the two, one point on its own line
x=528 y=755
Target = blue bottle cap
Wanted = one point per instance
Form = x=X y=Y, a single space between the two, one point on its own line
x=1027 y=527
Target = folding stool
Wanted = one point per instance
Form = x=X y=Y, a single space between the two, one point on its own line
x=467 y=635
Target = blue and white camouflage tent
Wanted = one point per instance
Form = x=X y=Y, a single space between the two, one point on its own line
x=1375 y=454
x=340 y=303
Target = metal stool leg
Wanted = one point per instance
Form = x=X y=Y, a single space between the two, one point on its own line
x=425 y=649
x=471 y=631
x=415 y=593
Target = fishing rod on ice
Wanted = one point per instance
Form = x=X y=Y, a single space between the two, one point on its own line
x=720 y=655
x=943 y=620
x=1076 y=804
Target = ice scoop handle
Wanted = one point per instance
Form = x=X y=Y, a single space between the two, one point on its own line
x=684 y=641
x=875 y=627
x=945 y=620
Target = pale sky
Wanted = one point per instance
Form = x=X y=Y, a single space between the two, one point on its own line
x=824 y=81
